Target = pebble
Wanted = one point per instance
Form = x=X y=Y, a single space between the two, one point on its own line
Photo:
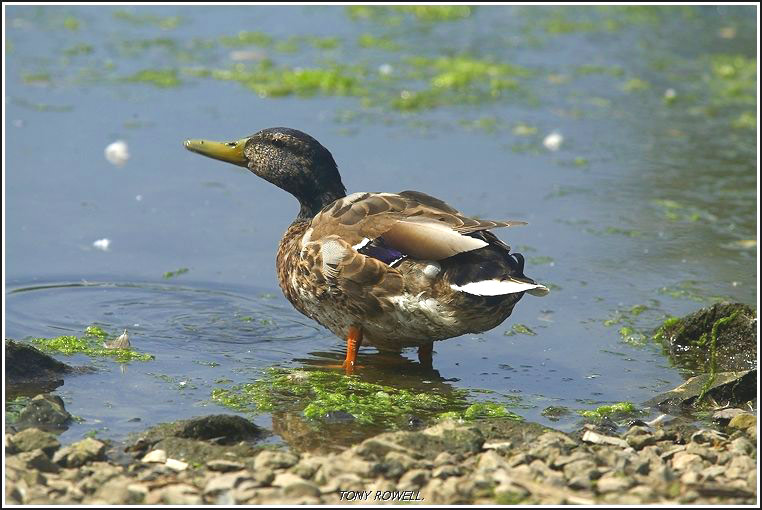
x=158 y=456
x=223 y=466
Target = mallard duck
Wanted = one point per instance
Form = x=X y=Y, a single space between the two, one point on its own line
x=392 y=270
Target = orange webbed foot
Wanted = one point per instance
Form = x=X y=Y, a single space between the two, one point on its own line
x=354 y=340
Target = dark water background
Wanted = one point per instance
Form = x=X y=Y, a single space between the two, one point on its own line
x=650 y=199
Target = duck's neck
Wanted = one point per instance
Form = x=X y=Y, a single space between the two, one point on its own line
x=309 y=207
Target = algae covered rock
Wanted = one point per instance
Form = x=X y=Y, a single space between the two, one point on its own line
x=721 y=338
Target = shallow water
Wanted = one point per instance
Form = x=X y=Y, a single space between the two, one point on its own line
x=649 y=200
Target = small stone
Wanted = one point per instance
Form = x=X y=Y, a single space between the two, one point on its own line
x=643 y=492
x=740 y=466
x=691 y=478
x=490 y=461
x=176 y=465
x=274 y=459
x=708 y=436
x=446 y=471
x=743 y=421
x=442 y=458
x=37 y=459
x=640 y=437
x=610 y=483
x=181 y=494
x=224 y=466
x=584 y=468
x=741 y=445
x=158 y=456
x=34 y=438
x=724 y=416
x=581 y=483
x=301 y=488
x=682 y=460
x=707 y=454
x=593 y=437
x=414 y=478
x=713 y=472
x=80 y=453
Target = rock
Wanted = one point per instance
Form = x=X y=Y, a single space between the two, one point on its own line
x=491 y=461
x=45 y=412
x=37 y=460
x=159 y=456
x=79 y=453
x=274 y=459
x=682 y=460
x=723 y=416
x=639 y=437
x=735 y=388
x=743 y=421
x=28 y=367
x=687 y=340
x=612 y=483
x=176 y=465
x=446 y=471
x=223 y=466
x=593 y=437
x=581 y=469
x=224 y=428
x=740 y=467
x=301 y=488
x=34 y=438
x=742 y=446
x=702 y=451
x=708 y=437
x=177 y=494
x=414 y=479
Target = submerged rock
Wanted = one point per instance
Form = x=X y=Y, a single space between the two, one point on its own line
x=45 y=412
x=722 y=337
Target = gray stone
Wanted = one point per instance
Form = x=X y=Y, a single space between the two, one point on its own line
x=704 y=452
x=274 y=459
x=45 y=412
x=640 y=437
x=584 y=468
x=37 y=459
x=612 y=483
x=79 y=453
x=413 y=479
x=158 y=456
x=223 y=465
x=446 y=471
x=684 y=460
x=742 y=446
x=301 y=488
x=34 y=438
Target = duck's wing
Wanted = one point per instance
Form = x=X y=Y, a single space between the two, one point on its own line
x=410 y=223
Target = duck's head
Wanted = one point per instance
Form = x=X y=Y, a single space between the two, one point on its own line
x=290 y=159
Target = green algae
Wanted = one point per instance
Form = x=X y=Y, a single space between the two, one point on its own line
x=713 y=352
x=14 y=406
x=520 y=329
x=162 y=78
x=269 y=80
x=555 y=413
x=317 y=394
x=90 y=344
x=615 y=411
x=78 y=49
x=172 y=274
x=162 y=22
x=378 y=42
x=246 y=38
x=394 y=15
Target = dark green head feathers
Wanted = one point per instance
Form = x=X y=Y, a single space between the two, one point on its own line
x=288 y=158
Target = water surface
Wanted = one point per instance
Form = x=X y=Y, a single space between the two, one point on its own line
x=650 y=199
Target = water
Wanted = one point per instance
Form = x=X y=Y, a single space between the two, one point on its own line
x=650 y=199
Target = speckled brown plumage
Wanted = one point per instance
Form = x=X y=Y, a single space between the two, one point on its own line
x=395 y=269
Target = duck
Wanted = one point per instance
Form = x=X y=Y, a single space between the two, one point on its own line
x=390 y=270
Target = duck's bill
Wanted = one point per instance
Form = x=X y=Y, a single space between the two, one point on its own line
x=230 y=152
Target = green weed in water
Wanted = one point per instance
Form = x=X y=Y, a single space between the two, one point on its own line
x=318 y=393
x=163 y=22
x=172 y=274
x=618 y=410
x=163 y=78
x=520 y=329
x=91 y=344
x=713 y=352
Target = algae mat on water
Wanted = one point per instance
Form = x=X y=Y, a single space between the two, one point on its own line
x=319 y=395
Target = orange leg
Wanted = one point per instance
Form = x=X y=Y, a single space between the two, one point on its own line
x=425 y=355
x=354 y=340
